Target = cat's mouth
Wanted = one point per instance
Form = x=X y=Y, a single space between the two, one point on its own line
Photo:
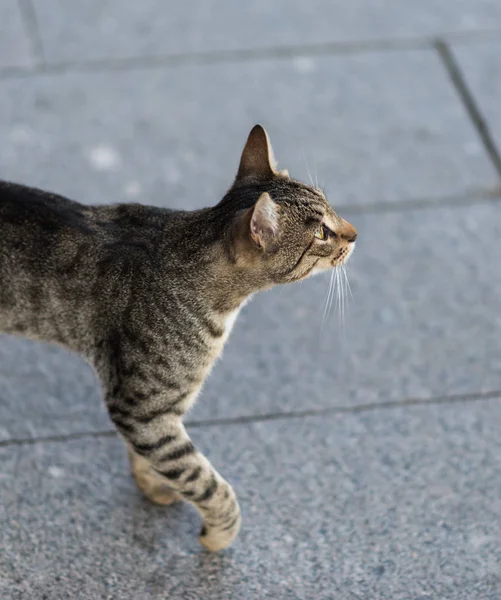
x=343 y=255
x=339 y=259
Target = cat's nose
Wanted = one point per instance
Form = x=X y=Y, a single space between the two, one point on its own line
x=349 y=232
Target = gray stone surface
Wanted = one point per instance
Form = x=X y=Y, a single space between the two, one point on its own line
x=368 y=128
x=393 y=504
x=113 y=29
x=481 y=66
x=423 y=322
x=45 y=390
x=383 y=501
x=14 y=43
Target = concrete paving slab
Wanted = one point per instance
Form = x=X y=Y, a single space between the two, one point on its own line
x=134 y=137
x=94 y=30
x=45 y=390
x=380 y=127
x=14 y=43
x=397 y=504
x=390 y=504
x=481 y=67
x=423 y=322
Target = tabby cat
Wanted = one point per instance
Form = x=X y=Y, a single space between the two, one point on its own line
x=148 y=296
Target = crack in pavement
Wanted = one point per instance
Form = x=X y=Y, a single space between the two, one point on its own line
x=458 y=80
x=225 y=56
x=332 y=410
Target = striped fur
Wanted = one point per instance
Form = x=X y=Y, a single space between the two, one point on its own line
x=149 y=296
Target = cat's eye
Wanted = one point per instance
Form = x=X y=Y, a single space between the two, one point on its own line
x=322 y=233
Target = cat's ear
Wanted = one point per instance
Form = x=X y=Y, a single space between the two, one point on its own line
x=257 y=156
x=264 y=221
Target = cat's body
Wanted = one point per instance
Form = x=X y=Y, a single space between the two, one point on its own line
x=116 y=278
x=148 y=296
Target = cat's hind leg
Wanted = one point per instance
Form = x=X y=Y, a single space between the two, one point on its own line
x=153 y=485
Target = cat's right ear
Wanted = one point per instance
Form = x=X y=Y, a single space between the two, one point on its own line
x=263 y=223
x=257 y=157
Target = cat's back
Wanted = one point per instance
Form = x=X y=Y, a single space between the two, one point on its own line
x=47 y=244
x=30 y=212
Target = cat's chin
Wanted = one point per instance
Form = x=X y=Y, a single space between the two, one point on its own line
x=338 y=263
x=318 y=270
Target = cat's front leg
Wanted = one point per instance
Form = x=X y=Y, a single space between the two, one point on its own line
x=187 y=473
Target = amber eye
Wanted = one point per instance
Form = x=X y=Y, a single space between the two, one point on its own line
x=322 y=233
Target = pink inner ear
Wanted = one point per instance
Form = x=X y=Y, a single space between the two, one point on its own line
x=254 y=228
x=264 y=221
x=255 y=231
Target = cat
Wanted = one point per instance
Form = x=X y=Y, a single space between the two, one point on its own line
x=148 y=296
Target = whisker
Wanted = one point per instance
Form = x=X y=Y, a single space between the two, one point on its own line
x=334 y=288
x=307 y=168
x=341 y=285
x=338 y=292
x=330 y=296
x=348 y=286
x=325 y=306
x=333 y=292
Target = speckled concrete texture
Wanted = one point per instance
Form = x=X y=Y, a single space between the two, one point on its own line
x=113 y=29
x=364 y=126
x=396 y=504
x=365 y=452
x=15 y=47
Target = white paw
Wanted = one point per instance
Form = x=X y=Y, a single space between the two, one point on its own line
x=215 y=539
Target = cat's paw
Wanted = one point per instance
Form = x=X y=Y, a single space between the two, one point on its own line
x=219 y=538
x=163 y=496
x=156 y=491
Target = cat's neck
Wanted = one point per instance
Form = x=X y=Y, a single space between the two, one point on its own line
x=199 y=243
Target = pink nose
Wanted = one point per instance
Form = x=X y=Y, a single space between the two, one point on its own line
x=348 y=232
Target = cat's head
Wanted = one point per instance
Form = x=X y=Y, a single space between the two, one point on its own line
x=284 y=229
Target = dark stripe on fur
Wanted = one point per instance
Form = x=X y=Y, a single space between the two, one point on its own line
x=148 y=418
x=148 y=448
x=164 y=410
x=116 y=409
x=184 y=450
x=167 y=384
x=194 y=475
x=189 y=340
x=209 y=492
x=230 y=525
x=213 y=328
x=122 y=425
x=173 y=473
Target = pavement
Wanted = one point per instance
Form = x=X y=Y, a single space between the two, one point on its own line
x=367 y=454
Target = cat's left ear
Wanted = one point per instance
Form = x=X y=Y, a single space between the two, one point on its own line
x=257 y=157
